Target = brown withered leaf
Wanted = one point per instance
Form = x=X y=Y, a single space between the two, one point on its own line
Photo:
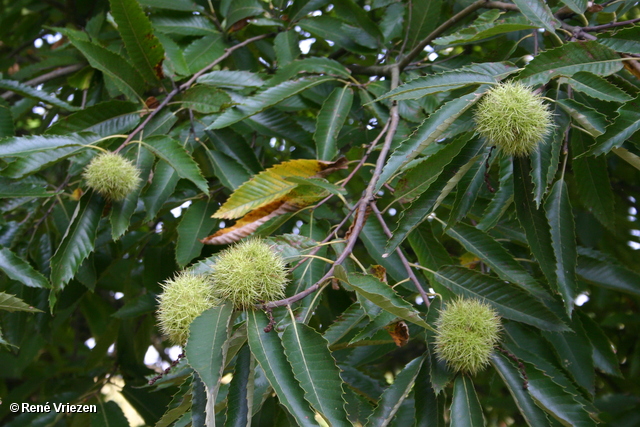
x=399 y=331
x=249 y=223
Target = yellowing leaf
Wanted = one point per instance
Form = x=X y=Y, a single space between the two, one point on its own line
x=272 y=193
x=271 y=185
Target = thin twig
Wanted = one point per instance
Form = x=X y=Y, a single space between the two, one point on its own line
x=403 y=259
x=184 y=86
x=387 y=70
x=363 y=204
x=611 y=25
x=59 y=72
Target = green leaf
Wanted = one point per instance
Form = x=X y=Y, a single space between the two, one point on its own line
x=12 y=189
x=569 y=59
x=6 y=120
x=349 y=319
x=596 y=87
x=183 y=5
x=203 y=51
x=465 y=406
x=592 y=180
x=231 y=79
x=266 y=99
x=427 y=405
x=353 y=13
x=108 y=414
x=545 y=160
x=122 y=211
x=420 y=177
x=164 y=183
x=300 y=9
x=143 y=304
x=570 y=347
x=501 y=199
x=625 y=40
x=78 y=241
x=184 y=25
x=419 y=210
x=204 y=99
x=578 y=6
x=626 y=124
x=382 y=295
x=331 y=118
x=276 y=124
x=107 y=118
x=428 y=132
x=12 y=303
x=240 y=397
x=512 y=378
x=174 y=56
x=555 y=400
x=231 y=174
x=563 y=240
x=392 y=21
x=510 y=302
x=172 y=152
x=28 y=91
x=627 y=156
x=533 y=221
x=588 y=118
x=349 y=37
x=316 y=370
x=123 y=74
x=537 y=12
x=286 y=47
x=18 y=269
x=495 y=256
x=241 y=9
x=324 y=66
x=195 y=224
x=144 y=48
x=485 y=28
x=469 y=186
x=395 y=394
x=374 y=239
x=608 y=275
x=422 y=20
x=604 y=357
x=27 y=146
x=234 y=146
x=268 y=351
x=206 y=347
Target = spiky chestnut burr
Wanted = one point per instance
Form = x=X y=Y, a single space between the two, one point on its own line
x=513 y=118
x=248 y=273
x=467 y=332
x=111 y=175
x=183 y=299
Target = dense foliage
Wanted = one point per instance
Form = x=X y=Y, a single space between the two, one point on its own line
x=343 y=134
